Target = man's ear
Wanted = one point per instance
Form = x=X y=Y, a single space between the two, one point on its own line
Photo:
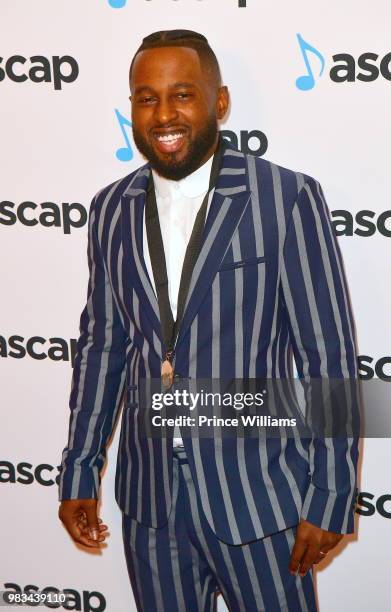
x=222 y=102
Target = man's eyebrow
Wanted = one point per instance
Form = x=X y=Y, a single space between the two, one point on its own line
x=178 y=85
x=142 y=88
x=183 y=84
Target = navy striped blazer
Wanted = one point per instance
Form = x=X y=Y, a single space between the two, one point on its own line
x=268 y=286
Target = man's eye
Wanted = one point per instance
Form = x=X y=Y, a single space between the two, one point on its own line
x=183 y=96
x=146 y=100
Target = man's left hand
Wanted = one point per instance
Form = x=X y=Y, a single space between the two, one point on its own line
x=311 y=546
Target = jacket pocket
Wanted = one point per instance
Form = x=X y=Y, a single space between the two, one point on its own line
x=242 y=263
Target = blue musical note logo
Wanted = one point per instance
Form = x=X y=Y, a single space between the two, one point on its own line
x=124 y=154
x=117 y=3
x=307 y=81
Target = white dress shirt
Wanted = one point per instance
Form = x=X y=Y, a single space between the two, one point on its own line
x=178 y=203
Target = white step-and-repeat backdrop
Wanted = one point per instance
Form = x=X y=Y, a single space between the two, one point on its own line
x=310 y=88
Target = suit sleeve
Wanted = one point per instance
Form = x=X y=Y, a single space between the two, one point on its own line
x=97 y=380
x=321 y=328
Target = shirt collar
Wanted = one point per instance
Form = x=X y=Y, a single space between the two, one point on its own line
x=192 y=186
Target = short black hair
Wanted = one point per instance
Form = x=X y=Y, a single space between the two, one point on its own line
x=182 y=38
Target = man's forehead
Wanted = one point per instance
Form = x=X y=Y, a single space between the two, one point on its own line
x=177 y=63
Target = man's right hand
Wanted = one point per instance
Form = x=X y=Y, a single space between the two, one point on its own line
x=80 y=519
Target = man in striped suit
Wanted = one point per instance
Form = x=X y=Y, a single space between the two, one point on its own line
x=262 y=281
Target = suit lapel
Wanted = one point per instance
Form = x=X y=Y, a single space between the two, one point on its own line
x=229 y=201
x=132 y=214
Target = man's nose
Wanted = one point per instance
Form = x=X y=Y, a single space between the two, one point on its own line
x=165 y=111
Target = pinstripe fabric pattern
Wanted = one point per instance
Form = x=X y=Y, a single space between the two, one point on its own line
x=182 y=566
x=268 y=285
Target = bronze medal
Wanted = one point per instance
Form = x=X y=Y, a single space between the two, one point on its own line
x=167 y=371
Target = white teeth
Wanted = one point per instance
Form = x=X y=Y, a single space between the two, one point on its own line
x=169 y=137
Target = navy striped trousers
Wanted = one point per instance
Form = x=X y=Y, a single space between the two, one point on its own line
x=183 y=566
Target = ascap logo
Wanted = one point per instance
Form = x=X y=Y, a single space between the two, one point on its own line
x=367 y=67
x=124 y=153
x=367 y=505
x=47 y=214
x=26 y=473
x=37 y=347
x=87 y=601
x=40 y=69
x=364 y=223
x=380 y=368
x=254 y=142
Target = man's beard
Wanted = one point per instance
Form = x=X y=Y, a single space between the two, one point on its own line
x=198 y=149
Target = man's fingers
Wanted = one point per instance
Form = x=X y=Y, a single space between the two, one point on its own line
x=79 y=517
x=77 y=535
x=310 y=542
x=297 y=555
x=327 y=547
x=92 y=521
x=324 y=549
x=331 y=541
x=308 y=560
x=86 y=530
x=82 y=518
x=320 y=557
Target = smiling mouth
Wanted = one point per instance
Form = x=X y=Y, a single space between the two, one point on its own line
x=169 y=142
